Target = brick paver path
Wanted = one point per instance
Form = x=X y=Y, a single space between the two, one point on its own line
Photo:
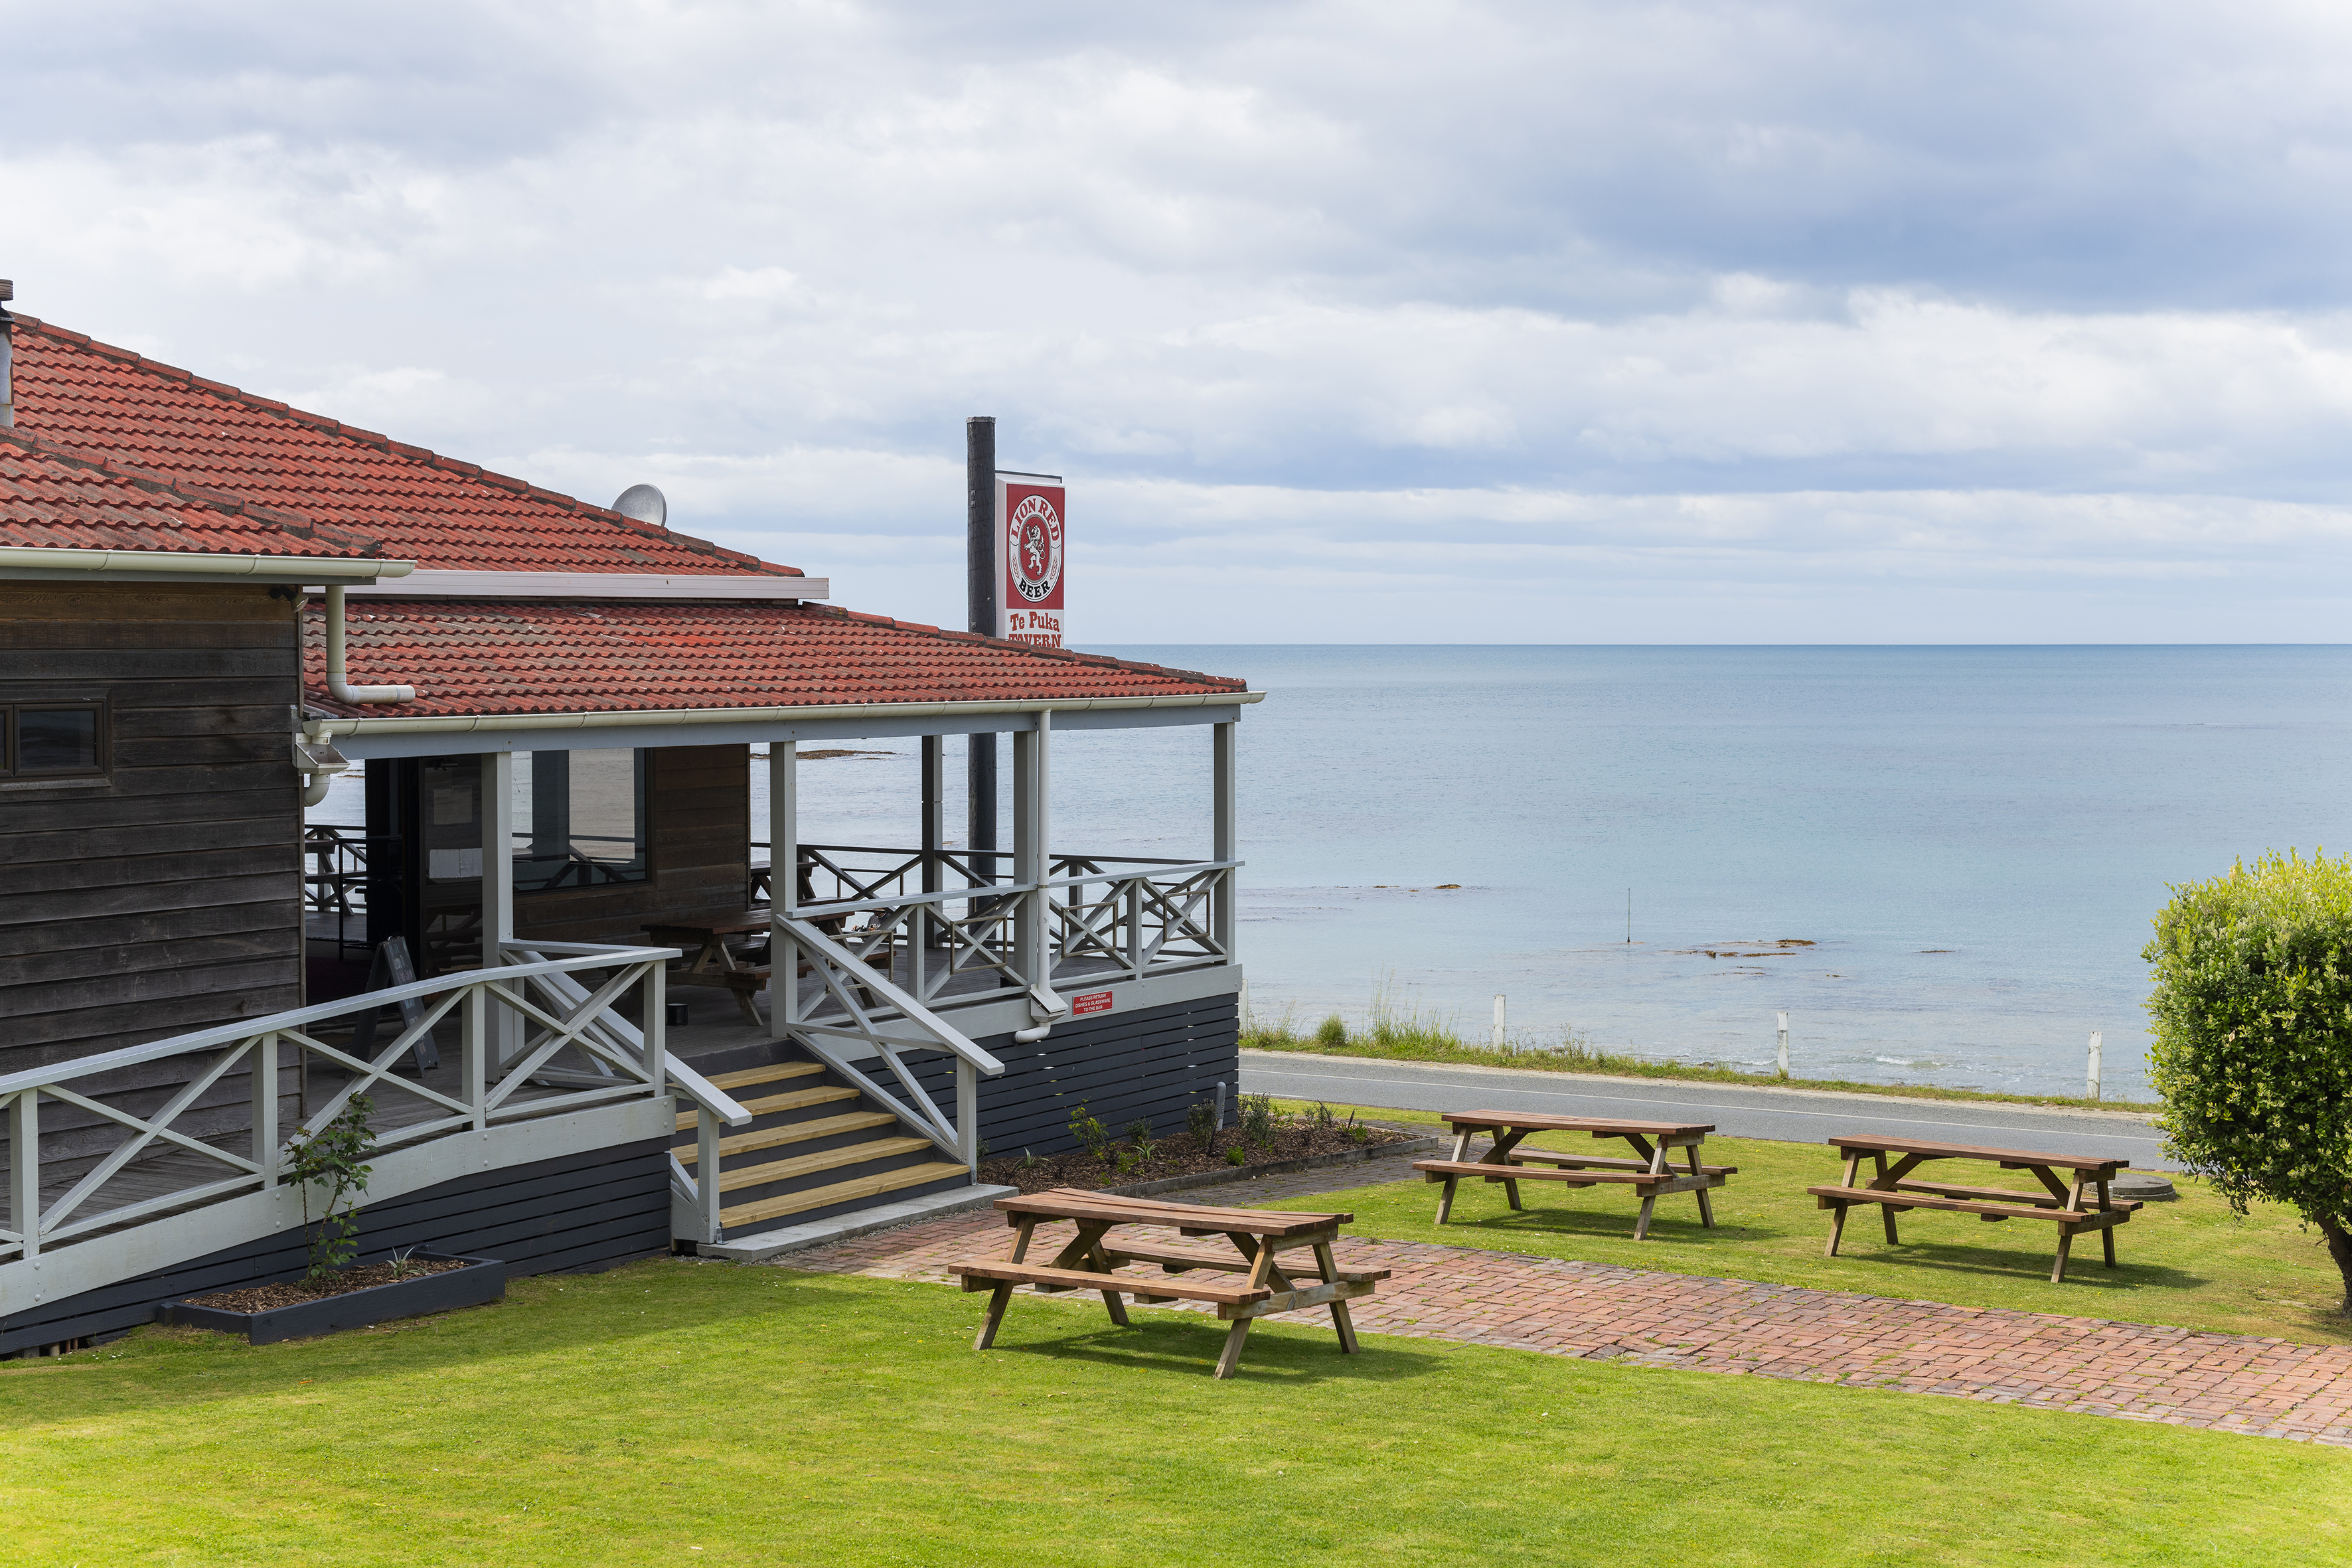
x=2230 y=1383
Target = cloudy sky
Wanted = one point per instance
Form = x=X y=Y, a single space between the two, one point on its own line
x=1551 y=323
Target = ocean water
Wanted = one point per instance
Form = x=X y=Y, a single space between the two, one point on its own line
x=1941 y=862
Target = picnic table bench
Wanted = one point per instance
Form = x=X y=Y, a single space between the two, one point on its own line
x=718 y=950
x=2059 y=1201
x=1649 y=1176
x=1088 y=1262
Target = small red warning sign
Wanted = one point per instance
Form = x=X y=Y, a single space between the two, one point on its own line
x=1092 y=1001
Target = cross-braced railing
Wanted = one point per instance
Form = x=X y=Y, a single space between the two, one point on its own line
x=1102 y=917
x=534 y=1039
x=870 y=1016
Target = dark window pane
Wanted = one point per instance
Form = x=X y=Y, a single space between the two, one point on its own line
x=57 y=740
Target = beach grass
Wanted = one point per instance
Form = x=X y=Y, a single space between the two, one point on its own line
x=2189 y=1263
x=675 y=1412
x=1403 y=1032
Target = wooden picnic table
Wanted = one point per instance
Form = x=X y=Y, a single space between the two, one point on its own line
x=1649 y=1176
x=2060 y=1201
x=1089 y=1263
x=719 y=951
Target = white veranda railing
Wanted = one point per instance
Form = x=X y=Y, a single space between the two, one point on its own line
x=535 y=1038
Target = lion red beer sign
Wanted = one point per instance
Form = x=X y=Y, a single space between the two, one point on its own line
x=1032 y=551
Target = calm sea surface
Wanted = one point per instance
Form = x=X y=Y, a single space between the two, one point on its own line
x=1970 y=841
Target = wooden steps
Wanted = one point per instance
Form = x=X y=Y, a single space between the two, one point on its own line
x=791 y=1132
x=798 y=1099
x=852 y=1191
x=760 y=1175
x=814 y=1148
x=774 y=1072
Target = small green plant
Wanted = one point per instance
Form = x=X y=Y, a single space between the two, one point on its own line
x=1257 y=1119
x=1200 y=1123
x=1332 y=1031
x=1030 y=1162
x=1236 y=1155
x=1126 y=1160
x=403 y=1263
x=1091 y=1134
x=325 y=1164
x=1138 y=1136
x=1321 y=1117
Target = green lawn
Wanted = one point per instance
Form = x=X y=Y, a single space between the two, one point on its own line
x=2192 y=1262
x=681 y=1412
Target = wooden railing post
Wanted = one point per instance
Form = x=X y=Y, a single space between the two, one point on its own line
x=656 y=992
x=706 y=1175
x=25 y=1169
x=265 y=1109
x=474 y=1050
x=968 y=1115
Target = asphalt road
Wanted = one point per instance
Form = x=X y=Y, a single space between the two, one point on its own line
x=1797 y=1116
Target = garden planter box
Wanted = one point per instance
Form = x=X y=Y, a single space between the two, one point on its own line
x=482 y=1279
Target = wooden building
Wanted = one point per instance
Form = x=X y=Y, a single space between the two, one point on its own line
x=210 y=603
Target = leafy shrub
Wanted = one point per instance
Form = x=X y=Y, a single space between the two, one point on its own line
x=1257 y=1119
x=1322 y=1116
x=1236 y=1155
x=329 y=1159
x=1138 y=1134
x=2252 y=1011
x=1200 y=1123
x=1091 y=1134
x=1332 y=1032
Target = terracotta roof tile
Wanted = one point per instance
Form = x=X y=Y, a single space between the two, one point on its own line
x=475 y=658
x=55 y=499
x=111 y=403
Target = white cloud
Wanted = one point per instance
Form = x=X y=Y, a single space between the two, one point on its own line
x=1488 y=320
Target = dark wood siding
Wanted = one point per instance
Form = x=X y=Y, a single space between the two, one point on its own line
x=168 y=898
x=580 y=1212
x=698 y=831
x=1155 y=1062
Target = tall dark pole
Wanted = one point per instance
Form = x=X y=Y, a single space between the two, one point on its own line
x=980 y=570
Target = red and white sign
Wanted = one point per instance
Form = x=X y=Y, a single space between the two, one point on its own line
x=1092 y=1001
x=1032 y=550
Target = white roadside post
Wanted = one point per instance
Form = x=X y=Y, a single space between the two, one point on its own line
x=1784 y=1043
x=2091 y=1089
x=1498 y=1020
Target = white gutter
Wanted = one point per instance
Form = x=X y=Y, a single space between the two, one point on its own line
x=337 y=684
x=509 y=724
x=30 y=560
x=599 y=585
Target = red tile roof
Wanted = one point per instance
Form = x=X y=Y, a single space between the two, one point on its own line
x=113 y=450
x=444 y=514
x=51 y=499
x=469 y=658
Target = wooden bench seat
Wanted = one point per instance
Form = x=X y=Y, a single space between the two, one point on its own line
x=1607 y=1161
x=987 y=1276
x=1176 y=1259
x=1901 y=1199
x=1438 y=1170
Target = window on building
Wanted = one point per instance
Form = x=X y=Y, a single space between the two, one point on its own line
x=52 y=740
x=580 y=818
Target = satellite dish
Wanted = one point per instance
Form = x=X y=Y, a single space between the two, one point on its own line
x=644 y=504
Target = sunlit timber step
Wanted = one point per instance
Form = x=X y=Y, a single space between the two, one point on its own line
x=840 y=1193
x=774 y=1072
x=828 y=1160
x=791 y=1132
x=798 y=1099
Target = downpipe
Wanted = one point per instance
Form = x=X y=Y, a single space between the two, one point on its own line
x=339 y=685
